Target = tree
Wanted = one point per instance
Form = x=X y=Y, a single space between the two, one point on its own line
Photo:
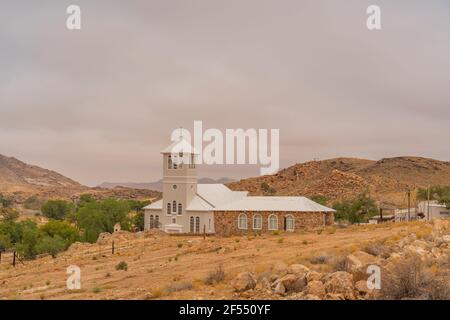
x=96 y=217
x=137 y=207
x=61 y=229
x=320 y=199
x=85 y=199
x=51 y=245
x=5 y=242
x=57 y=209
x=357 y=210
x=27 y=246
x=438 y=193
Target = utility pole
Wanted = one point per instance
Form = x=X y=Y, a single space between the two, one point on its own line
x=381 y=215
x=428 y=204
x=409 y=204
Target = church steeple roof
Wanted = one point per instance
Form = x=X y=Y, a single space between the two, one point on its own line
x=180 y=145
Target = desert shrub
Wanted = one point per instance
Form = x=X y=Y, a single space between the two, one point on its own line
x=97 y=290
x=178 y=286
x=122 y=265
x=339 y=263
x=409 y=279
x=321 y=258
x=33 y=203
x=215 y=276
x=377 y=248
x=5 y=202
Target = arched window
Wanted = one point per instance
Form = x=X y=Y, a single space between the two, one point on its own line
x=289 y=223
x=273 y=222
x=257 y=222
x=242 y=221
x=169 y=162
x=174 y=206
x=151 y=222
x=168 y=208
x=180 y=162
x=197 y=224
x=157 y=222
x=192 y=162
x=175 y=162
x=180 y=209
x=192 y=225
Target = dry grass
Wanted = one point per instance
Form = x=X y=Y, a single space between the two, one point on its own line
x=179 y=286
x=410 y=279
x=215 y=276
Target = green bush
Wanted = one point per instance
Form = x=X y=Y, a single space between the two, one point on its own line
x=357 y=210
x=33 y=203
x=51 y=245
x=62 y=229
x=122 y=265
x=57 y=209
x=5 y=202
x=101 y=216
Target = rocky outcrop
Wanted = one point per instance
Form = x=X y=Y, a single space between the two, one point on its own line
x=244 y=281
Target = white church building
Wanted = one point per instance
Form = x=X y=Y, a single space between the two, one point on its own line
x=189 y=207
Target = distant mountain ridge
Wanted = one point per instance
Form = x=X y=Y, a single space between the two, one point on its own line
x=157 y=185
x=342 y=178
x=22 y=180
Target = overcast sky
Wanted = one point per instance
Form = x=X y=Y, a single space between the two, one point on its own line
x=100 y=103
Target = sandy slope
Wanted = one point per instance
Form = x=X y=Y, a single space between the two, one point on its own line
x=157 y=261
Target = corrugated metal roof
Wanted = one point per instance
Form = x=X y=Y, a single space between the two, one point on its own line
x=218 y=194
x=300 y=204
x=154 y=206
x=218 y=197
x=198 y=204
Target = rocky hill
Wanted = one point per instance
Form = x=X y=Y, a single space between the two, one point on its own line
x=21 y=180
x=342 y=178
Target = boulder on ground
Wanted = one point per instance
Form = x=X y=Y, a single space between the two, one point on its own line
x=279 y=288
x=358 y=262
x=415 y=250
x=292 y=282
x=440 y=227
x=315 y=288
x=313 y=276
x=334 y=296
x=280 y=268
x=340 y=282
x=298 y=269
x=361 y=287
x=244 y=281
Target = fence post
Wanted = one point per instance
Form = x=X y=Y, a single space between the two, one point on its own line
x=112 y=248
x=14 y=259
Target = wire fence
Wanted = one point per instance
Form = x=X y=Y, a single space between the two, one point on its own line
x=112 y=247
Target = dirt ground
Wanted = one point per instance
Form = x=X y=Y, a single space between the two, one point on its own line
x=159 y=263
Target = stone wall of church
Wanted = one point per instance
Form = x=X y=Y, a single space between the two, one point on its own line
x=226 y=222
